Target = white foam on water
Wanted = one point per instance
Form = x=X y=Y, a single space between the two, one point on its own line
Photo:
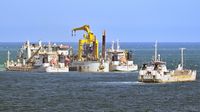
x=119 y=83
x=2 y=68
x=128 y=83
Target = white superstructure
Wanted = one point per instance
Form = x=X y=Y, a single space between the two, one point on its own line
x=120 y=60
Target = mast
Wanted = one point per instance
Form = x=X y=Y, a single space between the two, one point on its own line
x=8 y=55
x=118 y=46
x=156 y=52
x=182 y=49
x=8 y=60
x=49 y=46
x=113 y=43
x=40 y=43
x=104 y=45
x=28 y=50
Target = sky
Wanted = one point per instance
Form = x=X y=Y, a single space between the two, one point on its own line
x=124 y=20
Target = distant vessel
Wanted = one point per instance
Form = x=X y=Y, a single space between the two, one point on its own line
x=120 y=59
x=158 y=72
x=41 y=58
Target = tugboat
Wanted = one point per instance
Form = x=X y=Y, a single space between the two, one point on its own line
x=121 y=60
x=157 y=71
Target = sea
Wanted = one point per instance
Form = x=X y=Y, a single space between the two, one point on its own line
x=102 y=92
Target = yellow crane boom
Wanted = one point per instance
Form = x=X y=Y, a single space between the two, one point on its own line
x=86 y=28
x=88 y=39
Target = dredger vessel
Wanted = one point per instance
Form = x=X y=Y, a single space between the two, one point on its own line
x=41 y=58
x=88 y=59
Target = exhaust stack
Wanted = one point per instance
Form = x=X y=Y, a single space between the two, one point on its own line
x=104 y=45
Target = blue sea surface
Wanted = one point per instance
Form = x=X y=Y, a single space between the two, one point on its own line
x=102 y=92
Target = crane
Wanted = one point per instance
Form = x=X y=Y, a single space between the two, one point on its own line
x=89 y=39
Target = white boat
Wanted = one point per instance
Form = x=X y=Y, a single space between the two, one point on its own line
x=158 y=72
x=121 y=60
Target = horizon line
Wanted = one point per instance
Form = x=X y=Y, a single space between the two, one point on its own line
x=101 y=42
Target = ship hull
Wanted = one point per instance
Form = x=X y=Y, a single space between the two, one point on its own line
x=56 y=69
x=19 y=68
x=91 y=66
x=172 y=76
x=125 y=68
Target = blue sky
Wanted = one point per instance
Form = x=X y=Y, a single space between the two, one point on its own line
x=126 y=20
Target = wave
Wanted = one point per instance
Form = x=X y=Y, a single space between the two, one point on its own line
x=119 y=83
x=2 y=67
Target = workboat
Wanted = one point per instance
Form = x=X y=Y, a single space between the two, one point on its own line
x=181 y=74
x=120 y=59
x=157 y=72
x=41 y=58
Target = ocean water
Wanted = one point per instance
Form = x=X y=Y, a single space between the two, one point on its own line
x=101 y=92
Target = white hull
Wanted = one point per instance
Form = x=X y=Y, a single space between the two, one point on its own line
x=91 y=66
x=124 y=68
x=172 y=76
x=56 y=69
x=128 y=67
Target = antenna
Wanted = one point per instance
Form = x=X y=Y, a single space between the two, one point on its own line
x=182 y=49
